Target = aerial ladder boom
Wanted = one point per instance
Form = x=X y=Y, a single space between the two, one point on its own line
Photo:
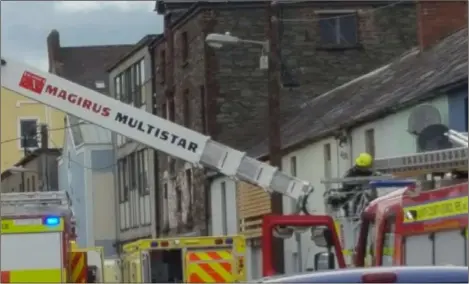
x=146 y=128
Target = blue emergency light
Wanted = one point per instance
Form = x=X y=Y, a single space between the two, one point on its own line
x=52 y=221
x=392 y=183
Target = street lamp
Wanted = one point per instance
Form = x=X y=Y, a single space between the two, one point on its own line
x=218 y=40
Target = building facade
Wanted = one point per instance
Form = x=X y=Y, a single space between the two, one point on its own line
x=130 y=80
x=457 y=103
x=35 y=172
x=86 y=168
x=222 y=92
x=85 y=171
x=318 y=155
x=21 y=117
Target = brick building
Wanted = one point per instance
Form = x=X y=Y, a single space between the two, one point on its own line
x=222 y=92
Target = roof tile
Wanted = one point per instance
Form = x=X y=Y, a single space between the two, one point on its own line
x=409 y=79
x=85 y=65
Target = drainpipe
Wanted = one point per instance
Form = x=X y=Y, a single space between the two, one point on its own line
x=156 y=184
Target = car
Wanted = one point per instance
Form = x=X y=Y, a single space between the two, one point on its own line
x=396 y=274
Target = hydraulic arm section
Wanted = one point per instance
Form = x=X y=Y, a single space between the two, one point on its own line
x=145 y=128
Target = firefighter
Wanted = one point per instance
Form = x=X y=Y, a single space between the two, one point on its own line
x=362 y=168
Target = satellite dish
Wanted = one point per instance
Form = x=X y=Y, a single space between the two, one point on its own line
x=433 y=138
x=421 y=117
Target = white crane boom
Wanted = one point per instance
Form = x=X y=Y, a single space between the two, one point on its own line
x=146 y=128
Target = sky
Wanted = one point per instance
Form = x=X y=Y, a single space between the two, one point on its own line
x=25 y=25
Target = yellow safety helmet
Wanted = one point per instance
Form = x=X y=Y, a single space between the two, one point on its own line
x=364 y=160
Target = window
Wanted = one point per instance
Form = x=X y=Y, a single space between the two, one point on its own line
x=189 y=185
x=465 y=114
x=164 y=111
x=172 y=166
x=117 y=88
x=28 y=131
x=293 y=166
x=75 y=128
x=33 y=183
x=163 y=65
x=370 y=142
x=184 y=47
x=178 y=199
x=203 y=109
x=388 y=241
x=142 y=82
x=28 y=185
x=165 y=191
x=132 y=171
x=126 y=87
x=224 y=217
x=186 y=108
x=142 y=170
x=123 y=174
x=338 y=29
x=327 y=164
x=171 y=109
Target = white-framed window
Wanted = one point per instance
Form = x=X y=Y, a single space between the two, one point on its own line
x=27 y=132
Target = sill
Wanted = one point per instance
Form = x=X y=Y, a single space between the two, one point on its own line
x=184 y=63
x=338 y=47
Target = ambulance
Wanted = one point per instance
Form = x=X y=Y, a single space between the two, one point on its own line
x=185 y=260
x=86 y=264
x=35 y=237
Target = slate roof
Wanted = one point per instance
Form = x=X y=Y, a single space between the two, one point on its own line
x=145 y=41
x=85 y=65
x=414 y=77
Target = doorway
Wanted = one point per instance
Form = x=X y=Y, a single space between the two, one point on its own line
x=166 y=266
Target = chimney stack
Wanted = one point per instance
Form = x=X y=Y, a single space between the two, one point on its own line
x=439 y=19
x=53 y=49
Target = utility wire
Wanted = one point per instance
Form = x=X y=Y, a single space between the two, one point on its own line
x=370 y=11
x=52 y=129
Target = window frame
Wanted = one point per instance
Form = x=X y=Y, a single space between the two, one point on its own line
x=370 y=141
x=335 y=16
x=20 y=132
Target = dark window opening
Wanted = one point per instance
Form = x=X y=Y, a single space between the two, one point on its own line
x=338 y=29
x=186 y=108
x=164 y=111
x=185 y=47
x=178 y=199
x=165 y=190
x=163 y=65
x=203 y=109
x=171 y=109
x=28 y=128
x=370 y=142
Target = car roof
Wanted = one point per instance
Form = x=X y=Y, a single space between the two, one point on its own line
x=408 y=274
